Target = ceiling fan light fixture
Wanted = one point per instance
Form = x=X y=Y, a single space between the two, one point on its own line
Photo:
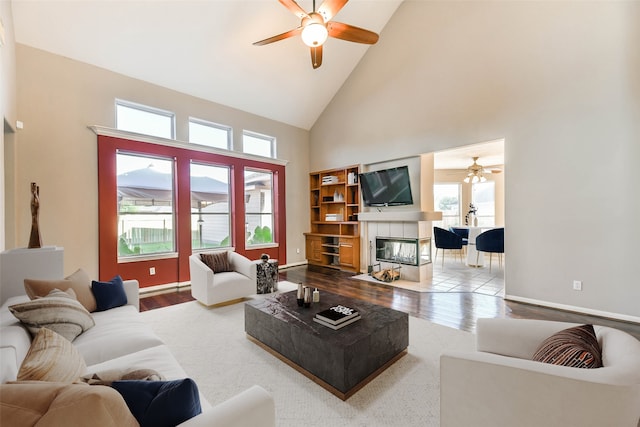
x=314 y=34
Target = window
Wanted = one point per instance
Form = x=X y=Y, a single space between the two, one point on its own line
x=145 y=205
x=258 y=199
x=446 y=198
x=261 y=145
x=210 y=207
x=146 y=120
x=484 y=199
x=210 y=134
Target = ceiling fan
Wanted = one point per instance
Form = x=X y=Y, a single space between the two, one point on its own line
x=475 y=172
x=316 y=26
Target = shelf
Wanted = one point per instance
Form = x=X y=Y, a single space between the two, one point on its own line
x=323 y=246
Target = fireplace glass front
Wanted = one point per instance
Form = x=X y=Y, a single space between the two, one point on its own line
x=402 y=250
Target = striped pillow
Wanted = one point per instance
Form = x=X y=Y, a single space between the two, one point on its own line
x=575 y=347
x=217 y=261
x=57 y=311
x=51 y=358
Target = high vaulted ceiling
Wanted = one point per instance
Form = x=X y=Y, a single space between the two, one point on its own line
x=204 y=48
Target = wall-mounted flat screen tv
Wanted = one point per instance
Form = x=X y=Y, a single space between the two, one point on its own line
x=387 y=187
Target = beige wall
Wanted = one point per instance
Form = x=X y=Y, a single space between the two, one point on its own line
x=560 y=81
x=8 y=112
x=58 y=98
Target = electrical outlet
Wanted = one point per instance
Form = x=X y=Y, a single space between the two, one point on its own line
x=577 y=285
x=152 y=271
x=297 y=250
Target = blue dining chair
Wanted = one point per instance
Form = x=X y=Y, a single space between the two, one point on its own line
x=462 y=232
x=492 y=242
x=445 y=239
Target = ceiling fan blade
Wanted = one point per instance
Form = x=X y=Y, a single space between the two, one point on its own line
x=330 y=8
x=350 y=33
x=316 y=57
x=294 y=8
x=279 y=37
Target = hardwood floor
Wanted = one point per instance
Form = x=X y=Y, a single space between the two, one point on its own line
x=458 y=310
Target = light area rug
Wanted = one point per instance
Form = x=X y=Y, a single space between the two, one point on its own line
x=212 y=348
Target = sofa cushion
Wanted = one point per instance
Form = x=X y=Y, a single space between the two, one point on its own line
x=117 y=332
x=574 y=347
x=57 y=311
x=78 y=281
x=109 y=294
x=51 y=358
x=56 y=404
x=160 y=403
x=217 y=261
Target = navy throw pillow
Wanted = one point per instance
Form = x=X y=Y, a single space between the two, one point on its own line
x=109 y=294
x=160 y=403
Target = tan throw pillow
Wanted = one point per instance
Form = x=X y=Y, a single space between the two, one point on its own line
x=217 y=261
x=576 y=347
x=79 y=281
x=57 y=404
x=57 y=311
x=51 y=357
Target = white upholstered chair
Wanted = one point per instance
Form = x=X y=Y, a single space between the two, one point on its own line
x=214 y=288
x=498 y=384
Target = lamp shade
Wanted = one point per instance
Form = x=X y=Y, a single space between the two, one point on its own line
x=314 y=34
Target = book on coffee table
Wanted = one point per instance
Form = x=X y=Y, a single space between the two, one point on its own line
x=337 y=314
x=338 y=326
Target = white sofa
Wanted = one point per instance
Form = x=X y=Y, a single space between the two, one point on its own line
x=498 y=385
x=214 y=288
x=121 y=340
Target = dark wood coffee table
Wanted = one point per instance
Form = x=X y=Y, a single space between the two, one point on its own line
x=342 y=361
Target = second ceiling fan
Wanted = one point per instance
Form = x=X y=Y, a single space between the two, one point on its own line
x=316 y=26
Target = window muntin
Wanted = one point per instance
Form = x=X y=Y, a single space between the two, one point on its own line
x=260 y=145
x=210 y=134
x=210 y=206
x=258 y=198
x=483 y=197
x=146 y=212
x=143 y=119
x=447 y=200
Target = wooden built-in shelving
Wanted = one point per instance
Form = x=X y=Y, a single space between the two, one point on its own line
x=334 y=200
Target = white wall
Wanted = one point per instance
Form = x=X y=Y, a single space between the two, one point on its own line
x=58 y=98
x=560 y=81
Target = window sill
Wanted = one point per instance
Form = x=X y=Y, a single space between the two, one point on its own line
x=148 y=257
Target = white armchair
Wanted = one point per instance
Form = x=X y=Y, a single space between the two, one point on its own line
x=498 y=385
x=214 y=288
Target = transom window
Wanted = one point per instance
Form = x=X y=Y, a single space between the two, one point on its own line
x=143 y=119
x=261 y=145
x=211 y=134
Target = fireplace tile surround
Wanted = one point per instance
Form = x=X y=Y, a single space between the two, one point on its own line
x=401 y=225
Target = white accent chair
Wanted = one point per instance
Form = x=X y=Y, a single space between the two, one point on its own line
x=498 y=384
x=214 y=288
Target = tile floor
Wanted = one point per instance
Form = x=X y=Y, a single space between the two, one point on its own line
x=456 y=276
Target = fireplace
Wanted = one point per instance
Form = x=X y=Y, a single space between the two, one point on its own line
x=401 y=250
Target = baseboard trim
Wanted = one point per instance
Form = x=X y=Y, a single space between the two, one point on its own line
x=575 y=309
x=166 y=287
x=294 y=264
